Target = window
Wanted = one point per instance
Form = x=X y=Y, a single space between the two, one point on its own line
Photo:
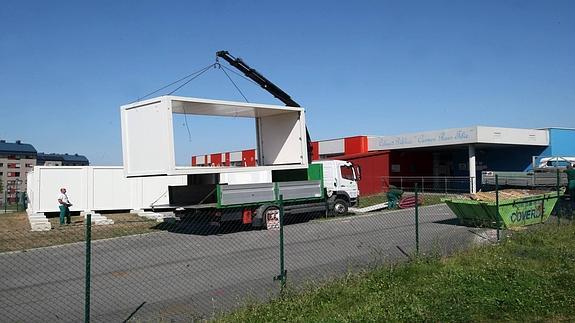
x=347 y=172
x=17 y=174
x=13 y=165
x=1 y=173
x=1 y=164
x=29 y=165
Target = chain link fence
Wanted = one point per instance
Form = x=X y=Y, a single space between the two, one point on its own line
x=13 y=196
x=164 y=265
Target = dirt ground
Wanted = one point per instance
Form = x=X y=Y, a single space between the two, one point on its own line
x=15 y=231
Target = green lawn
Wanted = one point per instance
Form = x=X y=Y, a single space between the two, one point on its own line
x=428 y=198
x=528 y=277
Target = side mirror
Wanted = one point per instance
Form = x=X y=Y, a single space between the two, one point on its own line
x=357 y=172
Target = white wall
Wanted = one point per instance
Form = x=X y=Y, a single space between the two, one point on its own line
x=95 y=188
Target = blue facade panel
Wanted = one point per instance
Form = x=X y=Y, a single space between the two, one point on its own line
x=561 y=143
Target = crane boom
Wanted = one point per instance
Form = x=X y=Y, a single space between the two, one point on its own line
x=267 y=85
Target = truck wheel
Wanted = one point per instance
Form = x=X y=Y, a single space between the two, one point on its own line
x=340 y=207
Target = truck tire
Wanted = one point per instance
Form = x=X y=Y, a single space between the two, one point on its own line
x=340 y=207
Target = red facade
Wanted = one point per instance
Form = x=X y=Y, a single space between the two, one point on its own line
x=355 y=145
x=216 y=159
x=249 y=157
x=374 y=168
x=315 y=150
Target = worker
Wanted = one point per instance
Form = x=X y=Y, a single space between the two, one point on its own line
x=570 y=171
x=64 y=207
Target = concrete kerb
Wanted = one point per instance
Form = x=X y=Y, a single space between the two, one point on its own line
x=97 y=218
x=137 y=235
x=158 y=217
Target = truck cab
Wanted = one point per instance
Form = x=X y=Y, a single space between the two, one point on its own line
x=340 y=182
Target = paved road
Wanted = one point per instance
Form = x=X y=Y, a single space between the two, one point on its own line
x=180 y=274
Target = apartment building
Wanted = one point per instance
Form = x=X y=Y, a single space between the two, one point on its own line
x=53 y=159
x=16 y=160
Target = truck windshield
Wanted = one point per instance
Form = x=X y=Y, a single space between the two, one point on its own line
x=347 y=173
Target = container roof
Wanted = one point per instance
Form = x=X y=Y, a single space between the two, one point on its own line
x=207 y=107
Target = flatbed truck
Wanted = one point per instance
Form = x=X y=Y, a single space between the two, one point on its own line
x=324 y=187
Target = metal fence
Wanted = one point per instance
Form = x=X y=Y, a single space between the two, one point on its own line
x=13 y=196
x=154 y=266
x=436 y=184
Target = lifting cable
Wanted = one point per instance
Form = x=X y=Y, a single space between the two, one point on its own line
x=200 y=71
x=194 y=76
x=234 y=83
x=240 y=75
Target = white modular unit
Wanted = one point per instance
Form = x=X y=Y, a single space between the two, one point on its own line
x=253 y=177
x=148 y=135
x=92 y=188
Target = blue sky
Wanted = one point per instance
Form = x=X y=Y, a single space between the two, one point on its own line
x=358 y=67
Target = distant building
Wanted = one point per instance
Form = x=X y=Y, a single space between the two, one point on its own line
x=443 y=159
x=61 y=160
x=16 y=160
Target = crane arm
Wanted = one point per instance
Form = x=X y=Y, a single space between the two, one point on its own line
x=267 y=85
x=255 y=76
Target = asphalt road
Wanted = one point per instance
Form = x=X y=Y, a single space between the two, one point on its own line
x=187 y=273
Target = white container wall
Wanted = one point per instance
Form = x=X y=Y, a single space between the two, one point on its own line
x=93 y=188
x=148 y=135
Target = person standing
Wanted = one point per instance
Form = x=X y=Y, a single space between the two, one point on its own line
x=64 y=206
x=570 y=171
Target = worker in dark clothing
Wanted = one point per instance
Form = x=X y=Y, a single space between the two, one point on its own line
x=570 y=171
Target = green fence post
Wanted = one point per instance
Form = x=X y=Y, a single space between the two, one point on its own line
x=559 y=209
x=282 y=254
x=497 y=205
x=88 y=264
x=416 y=221
x=283 y=272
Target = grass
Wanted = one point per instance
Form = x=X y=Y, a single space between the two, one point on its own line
x=428 y=198
x=528 y=277
x=365 y=201
x=15 y=231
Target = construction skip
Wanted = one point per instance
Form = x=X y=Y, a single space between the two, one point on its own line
x=147 y=126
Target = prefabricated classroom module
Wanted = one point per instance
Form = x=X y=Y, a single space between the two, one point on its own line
x=148 y=135
x=95 y=188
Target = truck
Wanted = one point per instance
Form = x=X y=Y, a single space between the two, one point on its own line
x=546 y=172
x=328 y=186
x=284 y=177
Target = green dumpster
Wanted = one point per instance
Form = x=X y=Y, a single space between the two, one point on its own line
x=512 y=213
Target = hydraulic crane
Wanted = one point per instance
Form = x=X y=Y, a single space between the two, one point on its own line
x=267 y=85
